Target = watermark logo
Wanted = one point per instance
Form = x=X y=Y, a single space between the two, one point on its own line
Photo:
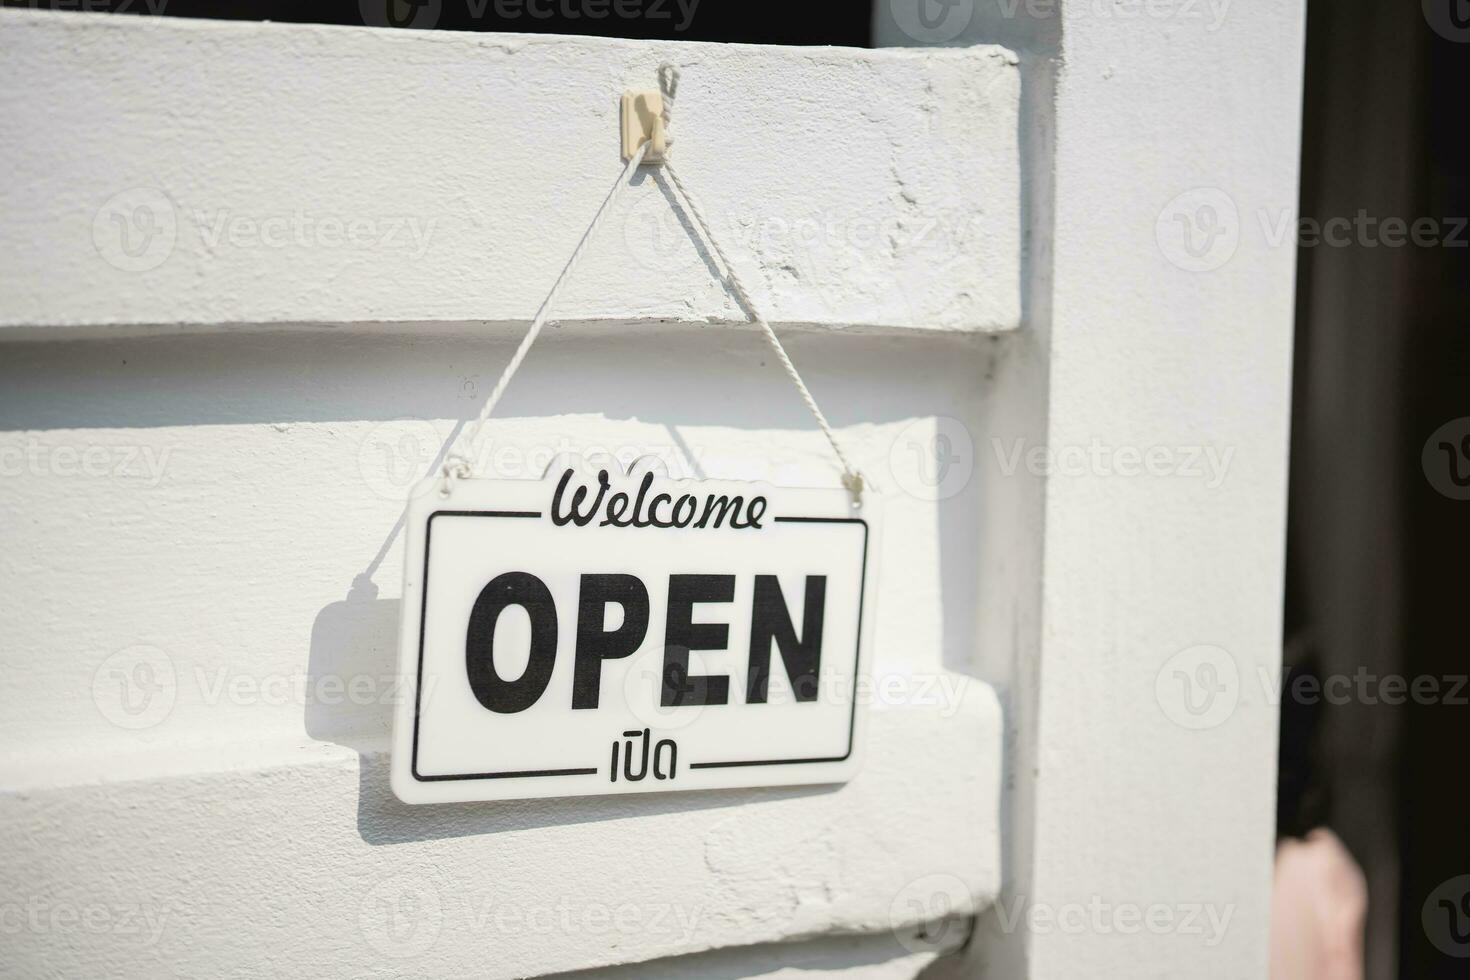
x=1101 y=917
x=139 y=924
x=400 y=917
x=1364 y=687
x=815 y=252
x=150 y=7
x=932 y=21
x=413 y=14
x=1362 y=230
x=93 y=460
x=1450 y=19
x=1446 y=459
x=135 y=688
x=425 y=14
x=648 y=683
x=224 y=685
x=940 y=904
x=655 y=237
x=1446 y=917
x=406 y=234
x=138 y=229
x=1209 y=464
x=1210 y=13
x=394 y=458
x=1198 y=687
x=1199 y=230
x=933 y=459
x=135 y=230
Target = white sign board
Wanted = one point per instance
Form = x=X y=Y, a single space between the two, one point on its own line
x=594 y=632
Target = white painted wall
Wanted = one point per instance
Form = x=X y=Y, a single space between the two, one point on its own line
x=205 y=459
x=327 y=175
x=1139 y=677
x=267 y=555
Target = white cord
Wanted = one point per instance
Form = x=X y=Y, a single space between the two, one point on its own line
x=851 y=478
x=668 y=83
x=458 y=467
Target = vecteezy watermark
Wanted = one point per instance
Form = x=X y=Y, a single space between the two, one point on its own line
x=1365 y=687
x=817 y=252
x=1446 y=917
x=131 y=921
x=425 y=14
x=138 y=229
x=1199 y=231
x=1201 y=687
x=938 y=21
x=402 y=916
x=135 y=688
x=223 y=685
x=1450 y=19
x=566 y=917
x=1363 y=230
x=1210 y=13
x=932 y=459
x=397 y=456
x=1446 y=459
x=415 y=14
x=1206 y=463
x=138 y=688
x=95 y=461
x=656 y=237
x=943 y=691
x=940 y=231
x=1100 y=917
x=135 y=229
x=931 y=914
x=153 y=7
x=1198 y=687
x=385 y=233
x=932 y=21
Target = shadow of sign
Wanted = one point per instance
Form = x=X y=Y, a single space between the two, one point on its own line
x=352 y=677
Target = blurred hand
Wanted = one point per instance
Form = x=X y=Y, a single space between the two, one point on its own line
x=1318 y=905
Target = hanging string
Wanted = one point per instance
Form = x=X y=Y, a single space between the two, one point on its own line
x=668 y=83
x=458 y=467
x=851 y=478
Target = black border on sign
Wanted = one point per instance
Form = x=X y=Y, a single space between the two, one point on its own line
x=531 y=773
x=419 y=683
x=856 y=658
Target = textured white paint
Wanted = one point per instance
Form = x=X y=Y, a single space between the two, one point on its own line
x=1133 y=343
x=234 y=522
x=266 y=555
x=859 y=188
x=297 y=858
x=264 y=548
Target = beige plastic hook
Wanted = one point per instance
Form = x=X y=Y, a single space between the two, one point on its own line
x=643 y=120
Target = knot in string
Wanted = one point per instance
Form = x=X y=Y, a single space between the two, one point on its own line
x=668 y=86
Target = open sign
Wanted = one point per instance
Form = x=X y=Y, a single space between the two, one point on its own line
x=595 y=632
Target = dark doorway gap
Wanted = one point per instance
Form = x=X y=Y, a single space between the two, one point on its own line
x=846 y=23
